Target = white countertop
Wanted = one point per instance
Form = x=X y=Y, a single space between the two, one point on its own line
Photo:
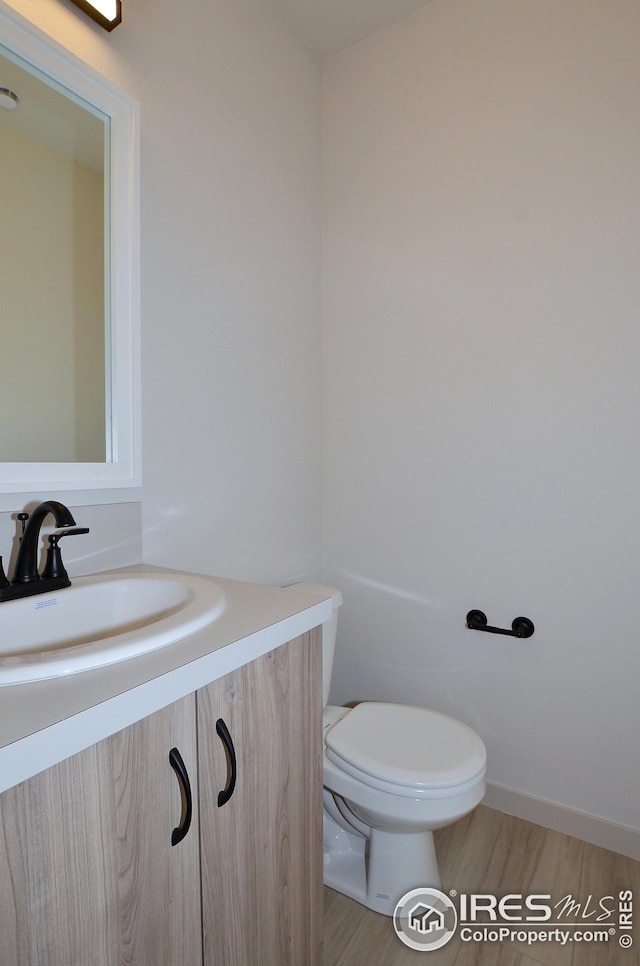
x=44 y=722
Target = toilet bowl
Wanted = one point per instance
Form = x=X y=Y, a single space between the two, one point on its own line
x=392 y=774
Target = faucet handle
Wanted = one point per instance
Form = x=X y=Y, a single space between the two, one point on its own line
x=23 y=517
x=54 y=566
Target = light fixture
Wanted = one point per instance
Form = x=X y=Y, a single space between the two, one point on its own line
x=8 y=99
x=108 y=13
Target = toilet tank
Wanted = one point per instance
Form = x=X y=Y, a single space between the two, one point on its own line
x=328 y=632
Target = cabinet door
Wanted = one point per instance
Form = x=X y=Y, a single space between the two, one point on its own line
x=262 y=849
x=88 y=876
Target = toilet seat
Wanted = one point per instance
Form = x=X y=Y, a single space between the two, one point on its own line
x=407 y=751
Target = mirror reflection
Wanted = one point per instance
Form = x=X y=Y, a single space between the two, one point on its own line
x=54 y=316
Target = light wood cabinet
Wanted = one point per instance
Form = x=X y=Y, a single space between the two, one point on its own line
x=88 y=875
x=262 y=849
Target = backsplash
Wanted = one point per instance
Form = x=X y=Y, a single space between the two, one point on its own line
x=114 y=540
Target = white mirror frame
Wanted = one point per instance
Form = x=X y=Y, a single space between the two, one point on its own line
x=35 y=47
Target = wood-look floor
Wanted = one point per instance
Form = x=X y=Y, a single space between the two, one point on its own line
x=488 y=852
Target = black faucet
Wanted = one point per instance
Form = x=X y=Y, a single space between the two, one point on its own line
x=26 y=579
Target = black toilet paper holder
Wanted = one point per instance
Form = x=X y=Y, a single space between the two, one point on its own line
x=520 y=627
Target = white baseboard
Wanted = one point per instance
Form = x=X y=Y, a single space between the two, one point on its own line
x=581 y=825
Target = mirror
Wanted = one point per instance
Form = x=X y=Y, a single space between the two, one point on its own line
x=52 y=271
x=69 y=359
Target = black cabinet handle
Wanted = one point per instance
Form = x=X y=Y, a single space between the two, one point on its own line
x=176 y=762
x=225 y=737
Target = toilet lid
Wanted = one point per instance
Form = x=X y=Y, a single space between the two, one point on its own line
x=405 y=745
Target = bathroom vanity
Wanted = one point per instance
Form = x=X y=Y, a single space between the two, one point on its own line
x=91 y=802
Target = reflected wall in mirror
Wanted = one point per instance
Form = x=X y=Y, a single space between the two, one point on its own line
x=69 y=270
x=52 y=271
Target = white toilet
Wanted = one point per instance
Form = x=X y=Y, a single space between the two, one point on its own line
x=392 y=774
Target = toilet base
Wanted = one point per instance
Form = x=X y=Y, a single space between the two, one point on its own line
x=378 y=870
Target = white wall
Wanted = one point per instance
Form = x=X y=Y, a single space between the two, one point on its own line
x=232 y=373
x=230 y=126
x=481 y=349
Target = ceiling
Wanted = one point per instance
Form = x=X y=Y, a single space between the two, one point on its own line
x=331 y=25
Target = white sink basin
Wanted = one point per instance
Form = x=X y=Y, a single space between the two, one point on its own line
x=101 y=620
